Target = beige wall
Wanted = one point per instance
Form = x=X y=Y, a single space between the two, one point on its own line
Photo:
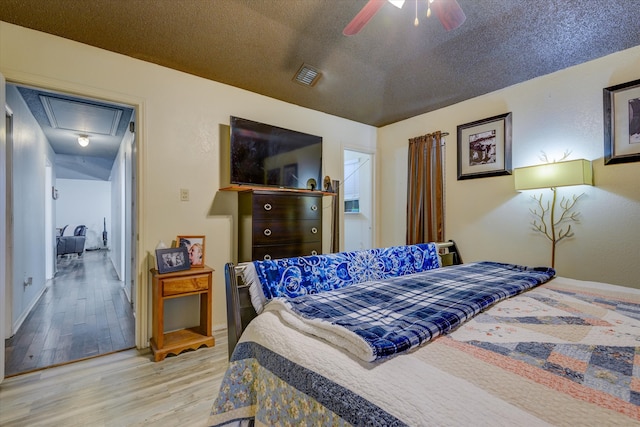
x=488 y=218
x=180 y=116
x=179 y=119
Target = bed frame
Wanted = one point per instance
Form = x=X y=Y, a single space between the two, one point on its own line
x=240 y=311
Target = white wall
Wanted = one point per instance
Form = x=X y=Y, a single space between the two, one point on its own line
x=31 y=151
x=84 y=202
x=178 y=136
x=488 y=218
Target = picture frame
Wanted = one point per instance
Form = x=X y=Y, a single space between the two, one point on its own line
x=621 y=105
x=172 y=259
x=195 y=249
x=484 y=147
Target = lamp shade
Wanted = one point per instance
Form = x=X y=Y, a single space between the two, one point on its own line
x=551 y=175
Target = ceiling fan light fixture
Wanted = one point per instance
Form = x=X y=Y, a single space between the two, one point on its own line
x=83 y=141
x=307 y=75
x=448 y=12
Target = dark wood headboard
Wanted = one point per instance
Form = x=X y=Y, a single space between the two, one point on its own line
x=240 y=311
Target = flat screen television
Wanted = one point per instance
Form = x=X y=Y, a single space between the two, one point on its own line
x=265 y=155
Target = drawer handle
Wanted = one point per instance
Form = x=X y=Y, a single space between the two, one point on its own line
x=267 y=232
x=267 y=206
x=314 y=208
x=314 y=252
x=267 y=257
x=314 y=230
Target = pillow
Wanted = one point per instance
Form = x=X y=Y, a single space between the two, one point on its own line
x=250 y=278
x=292 y=277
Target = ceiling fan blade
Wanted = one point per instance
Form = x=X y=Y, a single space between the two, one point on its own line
x=449 y=13
x=363 y=17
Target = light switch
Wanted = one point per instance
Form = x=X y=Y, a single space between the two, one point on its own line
x=184 y=194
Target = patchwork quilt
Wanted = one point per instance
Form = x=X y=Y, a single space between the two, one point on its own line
x=564 y=353
x=378 y=319
x=602 y=356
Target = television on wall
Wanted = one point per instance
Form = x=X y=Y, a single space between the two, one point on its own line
x=270 y=156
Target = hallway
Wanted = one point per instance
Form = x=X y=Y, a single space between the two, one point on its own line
x=83 y=313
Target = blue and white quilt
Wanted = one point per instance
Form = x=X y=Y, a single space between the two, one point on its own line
x=378 y=319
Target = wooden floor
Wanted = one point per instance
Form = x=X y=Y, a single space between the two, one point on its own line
x=84 y=313
x=121 y=389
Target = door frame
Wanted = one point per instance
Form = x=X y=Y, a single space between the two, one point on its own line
x=49 y=221
x=372 y=156
x=3 y=220
x=141 y=302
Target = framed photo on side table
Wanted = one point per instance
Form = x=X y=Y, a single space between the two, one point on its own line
x=195 y=249
x=622 y=123
x=484 y=148
x=172 y=259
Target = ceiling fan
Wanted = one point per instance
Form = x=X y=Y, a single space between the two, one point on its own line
x=448 y=12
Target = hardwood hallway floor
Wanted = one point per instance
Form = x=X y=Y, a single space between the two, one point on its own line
x=121 y=389
x=84 y=313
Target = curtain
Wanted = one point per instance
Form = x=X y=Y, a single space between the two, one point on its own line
x=425 y=190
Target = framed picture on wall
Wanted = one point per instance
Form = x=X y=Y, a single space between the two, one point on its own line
x=195 y=249
x=622 y=123
x=484 y=148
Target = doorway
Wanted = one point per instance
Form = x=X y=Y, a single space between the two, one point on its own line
x=358 y=191
x=41 y=121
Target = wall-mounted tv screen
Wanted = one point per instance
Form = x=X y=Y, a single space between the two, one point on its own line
x=266 y=155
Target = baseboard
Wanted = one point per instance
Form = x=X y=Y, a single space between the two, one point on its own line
x=20 y=320
x=127 y=293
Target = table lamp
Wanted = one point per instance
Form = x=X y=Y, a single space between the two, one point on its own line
x=553 y=175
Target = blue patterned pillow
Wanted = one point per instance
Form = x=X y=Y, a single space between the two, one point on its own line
x=292 y=277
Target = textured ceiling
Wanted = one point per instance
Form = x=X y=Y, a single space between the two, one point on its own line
x=390 y=71
x=64 y=118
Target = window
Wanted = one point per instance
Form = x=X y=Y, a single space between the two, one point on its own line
x=352 y=206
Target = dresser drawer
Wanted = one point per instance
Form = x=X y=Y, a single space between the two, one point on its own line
x=275 y=232
x=183 y=285
x=291 y=207
x=286 y=251
x=280 y=224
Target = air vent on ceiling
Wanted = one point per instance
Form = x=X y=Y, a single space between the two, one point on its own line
x=81 y=116
x=307 y=75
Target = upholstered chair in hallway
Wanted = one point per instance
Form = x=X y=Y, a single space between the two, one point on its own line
x=72 y=244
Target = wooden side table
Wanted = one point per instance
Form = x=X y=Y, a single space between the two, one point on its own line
x=196 y=281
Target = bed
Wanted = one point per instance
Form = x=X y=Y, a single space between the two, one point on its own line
x=559 y=352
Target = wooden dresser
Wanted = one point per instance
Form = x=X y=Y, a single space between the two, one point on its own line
x=196 y=281
x=278 y=224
